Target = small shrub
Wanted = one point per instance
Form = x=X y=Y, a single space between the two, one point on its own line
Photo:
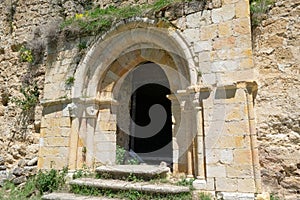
x=26 y=55
x=70 y=81
x=204 y=196
x=82 y=45
x=50 y=180
x=258 y=9
x=120 y=155
x=30 y=97
x=274 y=197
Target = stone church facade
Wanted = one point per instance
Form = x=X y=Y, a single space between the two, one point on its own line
x=201 y=75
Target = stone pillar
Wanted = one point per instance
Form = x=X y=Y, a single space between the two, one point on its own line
x=250 y=89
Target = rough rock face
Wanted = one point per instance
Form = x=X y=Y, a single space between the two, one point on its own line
x=277 y=50
x=26 y=23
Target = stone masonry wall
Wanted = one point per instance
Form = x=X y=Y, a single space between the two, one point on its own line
x=24 y=23
x=276 y=53
x=276 y=45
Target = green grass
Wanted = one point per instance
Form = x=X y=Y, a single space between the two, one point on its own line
x=258 y=9
x=98 y=20
x=129 y=195
x=35 y=186
x=28 y=191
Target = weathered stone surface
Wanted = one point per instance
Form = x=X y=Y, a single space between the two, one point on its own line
x=69 y=196
x=142 y=171
x=33 y=161
x=276 y=42
x=124 y=185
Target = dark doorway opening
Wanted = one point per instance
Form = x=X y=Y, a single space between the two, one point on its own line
x=151 y=130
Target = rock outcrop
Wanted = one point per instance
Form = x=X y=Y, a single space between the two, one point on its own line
x=276 y=53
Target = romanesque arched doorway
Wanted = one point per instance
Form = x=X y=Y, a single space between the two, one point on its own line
x=150 y=127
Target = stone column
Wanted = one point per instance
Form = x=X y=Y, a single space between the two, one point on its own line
x=250 y=88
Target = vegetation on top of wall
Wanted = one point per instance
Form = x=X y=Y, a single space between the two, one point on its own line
x=259 y=9
x=97 y=20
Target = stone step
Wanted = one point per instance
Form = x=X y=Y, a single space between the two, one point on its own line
x=70 y=196
x=145 y=172
x=146 y=187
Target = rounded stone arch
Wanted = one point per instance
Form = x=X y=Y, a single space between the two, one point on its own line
x=127 y=45
x=125 y=37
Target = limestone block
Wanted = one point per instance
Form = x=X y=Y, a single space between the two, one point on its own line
x=52 y=162
x=205 y=18
x=191 y=35
x=246 y=185
x=231 y=1
x=209 y=32
x=216 y=171
x=224 y=43
x=246 y=63
x=213 y=156
x=242 y=9
x=235 y=196
x=223 y=66
x=243 y=41
x=241 y=26
x=105 y=146
x=236 y=128
x=208 y=79
x=65 y=122
x=229 y=77
x=65 y=132
x=56 y=141
x=208 y=184
x=239 y=171
x=204 y=56
x=242 y=156
x=225 y=29
x=49 y=151
x=205 y=67
x=236 y=112
x=226 y=184
x=202 y=46
x=105 y=157
x=193 y=20
x=226 y=156
x=105 y=137
x=225 y=13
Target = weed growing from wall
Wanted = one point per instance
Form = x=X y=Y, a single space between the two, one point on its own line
x=30 y=97
x=26 y=55
x=259 y=9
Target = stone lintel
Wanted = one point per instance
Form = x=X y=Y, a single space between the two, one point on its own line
x=89 y=100
x=240 y=84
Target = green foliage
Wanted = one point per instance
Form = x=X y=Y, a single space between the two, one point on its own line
x=258 y=9
x=97 y=20
x=120 y=155
x=27 y=191
x=26 y=55
x=30 y=97
x=82 y=45
x=129 y=195
x=82 y=174
x=274 y=197
x=70 y=81
x=204 y=196
x=35 y=186
x=186 y=182
x=50 y=180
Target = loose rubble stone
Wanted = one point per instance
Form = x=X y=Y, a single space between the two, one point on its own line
x=32 y=161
